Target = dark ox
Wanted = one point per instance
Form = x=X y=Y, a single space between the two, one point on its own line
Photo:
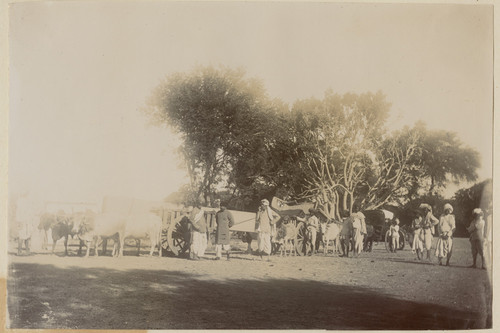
x=369 y=237
x=61 y=226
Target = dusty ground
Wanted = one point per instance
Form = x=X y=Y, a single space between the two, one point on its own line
x=378 y=290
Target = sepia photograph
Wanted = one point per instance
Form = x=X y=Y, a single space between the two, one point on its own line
x=249 y=166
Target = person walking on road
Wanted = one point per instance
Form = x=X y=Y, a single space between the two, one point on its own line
x=25 y=217
x=224 y=220
x=476 y=230
x=446 y=228
x=429 y=221
x=312 y=228
x=263 y=225
x=488 y=234
x=345 y=235
x=198 y=233
x=394 y=233
x=358 y=232
x=418 y=236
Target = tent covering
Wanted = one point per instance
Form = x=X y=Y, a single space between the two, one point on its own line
x=388 y=215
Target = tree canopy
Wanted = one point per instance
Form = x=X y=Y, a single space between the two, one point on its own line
x=465 y=200
x=335 y=151
x=221 y=116
x=445 y=158
x=338 y=139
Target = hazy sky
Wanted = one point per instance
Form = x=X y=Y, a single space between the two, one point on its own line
x=80 y=72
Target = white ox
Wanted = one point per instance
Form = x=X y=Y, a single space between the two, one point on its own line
x=285 y=236
x=93 y=229
x=330 y=232
x=118 y=227
x=143 y=226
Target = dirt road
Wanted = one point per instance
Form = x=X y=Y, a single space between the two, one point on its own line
x=377 y=290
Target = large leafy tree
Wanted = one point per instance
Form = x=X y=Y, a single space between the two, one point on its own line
x=335 y=151
x=267 y=166
x=443 y=158
x=337 y=137
x=389 y=180
x=465 y=200
x=219 y=113
x=350 y=162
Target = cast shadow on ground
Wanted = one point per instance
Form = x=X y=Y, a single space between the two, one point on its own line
x=47 y=296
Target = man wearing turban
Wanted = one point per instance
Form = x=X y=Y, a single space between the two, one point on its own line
x=476 y=230
x=263 y=226
x=446 y=227
x=428 y=223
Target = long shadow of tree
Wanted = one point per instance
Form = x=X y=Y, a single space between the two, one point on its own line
x=46 y=296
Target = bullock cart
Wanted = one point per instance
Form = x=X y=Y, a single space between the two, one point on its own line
x=380 y=220
x=176 y=234
x=402 y=240
x=296 y=212
x=171 y=234
x=245 y=223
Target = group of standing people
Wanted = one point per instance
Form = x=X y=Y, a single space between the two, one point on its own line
x=352 y=234
x=198 y=229
x=425 y=226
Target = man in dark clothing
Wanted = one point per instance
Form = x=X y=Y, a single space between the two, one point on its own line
x=476 y=231
x=224 y=220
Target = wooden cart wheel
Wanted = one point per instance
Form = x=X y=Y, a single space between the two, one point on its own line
x=178 y=236
x=212 y=227
x=388 y=244
x=300 y=239
x=402 y=240
x=163 y=242
x=410 y=236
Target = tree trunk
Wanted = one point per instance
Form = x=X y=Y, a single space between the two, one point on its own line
x=431 y=189
x=351 y=202
x=344 y=201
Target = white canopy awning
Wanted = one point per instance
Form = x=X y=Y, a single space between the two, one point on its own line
x=388 y=215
